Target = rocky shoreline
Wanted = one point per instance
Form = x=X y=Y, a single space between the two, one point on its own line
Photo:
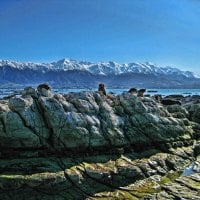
x=93 y=146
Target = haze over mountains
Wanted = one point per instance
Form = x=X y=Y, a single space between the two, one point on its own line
x=72 y=73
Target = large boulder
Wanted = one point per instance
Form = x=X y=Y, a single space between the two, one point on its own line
x=16 y=134
x=88 y=145
x=91 y=120
x=18 y=104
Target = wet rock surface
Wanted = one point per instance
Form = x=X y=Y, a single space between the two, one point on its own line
x=91 y=146
x=181 y=188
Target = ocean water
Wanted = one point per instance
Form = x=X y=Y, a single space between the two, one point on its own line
x=164 y=92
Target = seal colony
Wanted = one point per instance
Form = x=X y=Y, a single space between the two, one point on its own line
x=89 y=145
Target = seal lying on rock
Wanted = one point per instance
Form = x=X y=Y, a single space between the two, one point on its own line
x=158 y=97
x=133 y=91
x=44 y=90
x=102 y=88
x=44 y=85
x=168 y=102
x=141 y=92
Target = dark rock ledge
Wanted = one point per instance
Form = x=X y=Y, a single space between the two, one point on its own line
x=91 y=146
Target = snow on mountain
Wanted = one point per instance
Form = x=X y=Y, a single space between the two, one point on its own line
x=100 y=68
x=105 y=68
x=24 y=65
x=67 y=64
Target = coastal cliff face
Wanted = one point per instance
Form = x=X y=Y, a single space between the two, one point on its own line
x=91 y=146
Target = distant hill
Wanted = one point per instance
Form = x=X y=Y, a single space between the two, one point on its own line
x=71 y=73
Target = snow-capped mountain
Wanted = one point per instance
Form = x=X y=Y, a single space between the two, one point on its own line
x=78 y=73
x=101 y=68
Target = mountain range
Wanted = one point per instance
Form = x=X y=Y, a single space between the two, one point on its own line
x=83 y=74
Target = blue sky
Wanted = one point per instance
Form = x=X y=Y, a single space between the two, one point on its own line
x=166 y=32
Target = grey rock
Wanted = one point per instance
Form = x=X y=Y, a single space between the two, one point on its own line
x=29 y=91
x=16 y=134
x=90 y=119
x=19 y=104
